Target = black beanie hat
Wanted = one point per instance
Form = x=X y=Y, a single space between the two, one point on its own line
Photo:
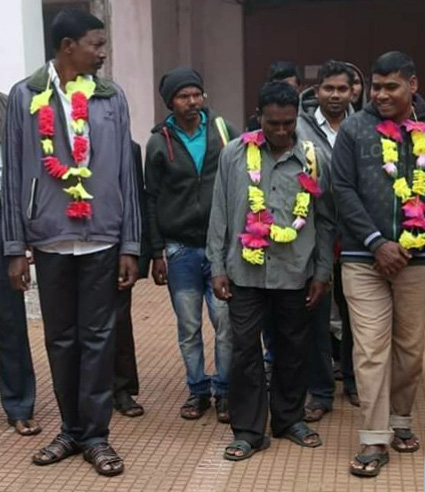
x=175 y=80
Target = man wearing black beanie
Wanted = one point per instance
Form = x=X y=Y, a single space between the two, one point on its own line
x=181 y=163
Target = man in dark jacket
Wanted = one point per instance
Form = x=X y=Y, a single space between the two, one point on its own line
x=17 y=379
x=69 y=191
x=379 y=184
x=322 y=110
x=181 y=164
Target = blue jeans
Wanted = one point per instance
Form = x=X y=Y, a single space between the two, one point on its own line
x=189 y=281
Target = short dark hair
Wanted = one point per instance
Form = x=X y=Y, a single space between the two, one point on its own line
x=74 y=24
x=281 y=70
x=279 y=93
x=394 y=62
x=332 y=68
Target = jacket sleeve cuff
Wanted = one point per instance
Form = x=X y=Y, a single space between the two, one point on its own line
x=376 y=243
x=130 y=248
x=14 y=248
x=218 y=269
x=322 y=274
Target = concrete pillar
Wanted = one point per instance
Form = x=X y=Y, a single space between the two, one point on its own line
x=21 y=40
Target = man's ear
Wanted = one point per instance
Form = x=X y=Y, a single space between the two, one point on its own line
x=414 y=84
x=67 y=45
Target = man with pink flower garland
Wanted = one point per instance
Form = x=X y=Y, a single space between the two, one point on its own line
x=270 y=241
x=379 y=183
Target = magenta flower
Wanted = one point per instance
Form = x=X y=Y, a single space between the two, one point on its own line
x=255 y=176
x=414 y=208
x=257 y=137
x=416 y=222
x=414 y=125
x=252 y=241
x=390 y=129
x=259 y=224
x=309 y=184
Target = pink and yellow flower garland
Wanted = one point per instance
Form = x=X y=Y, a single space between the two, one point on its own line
x=79 y=92
x=413 y=206
x=259 y=224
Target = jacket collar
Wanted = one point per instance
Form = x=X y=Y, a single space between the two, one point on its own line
x=38 y=82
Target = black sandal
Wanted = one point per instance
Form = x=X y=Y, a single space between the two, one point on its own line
x=60 y=448
x=381 y=459
x=103 y=455
x=222 y=409
x=299 y=432
x=401 y=436
x=124 y=403
x=195 y=407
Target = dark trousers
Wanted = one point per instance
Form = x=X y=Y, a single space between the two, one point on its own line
x=248 y=401
x=321 y=380
x=78 y=304
x=346 y=345
x=17 y=380
x=125 y=357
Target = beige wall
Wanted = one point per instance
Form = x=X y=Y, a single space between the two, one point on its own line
x=149 y=37
x=132 y=60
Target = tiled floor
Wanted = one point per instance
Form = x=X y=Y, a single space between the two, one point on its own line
x=165 y=453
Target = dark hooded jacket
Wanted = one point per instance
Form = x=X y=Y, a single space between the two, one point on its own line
x=369 y=212
x=362 y=102
x=178 y=198
x=307 y=126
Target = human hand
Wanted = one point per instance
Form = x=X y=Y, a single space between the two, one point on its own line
x=128 y=272
x=390 y=258
x=19 y=272
x=159 y=271
x=221 y=287
x=315 y=293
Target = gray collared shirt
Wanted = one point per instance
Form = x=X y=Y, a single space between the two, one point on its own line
x=286 y=266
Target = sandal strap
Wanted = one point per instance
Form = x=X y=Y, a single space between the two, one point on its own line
x=366 y=459
x=60 y=446
x=102 y=454
x=301 y=431
x=196 y=401
x=403 y=434
x=240 y=445
x=222 y=404
x=316 y=405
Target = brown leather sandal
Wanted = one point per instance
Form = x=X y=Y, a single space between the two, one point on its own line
x=60 y=448
x=27 y=427
x=195 y=407
x=104 y=459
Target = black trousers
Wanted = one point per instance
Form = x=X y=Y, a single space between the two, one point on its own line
x=78 y=304
x=248 y=400
x=126 y=378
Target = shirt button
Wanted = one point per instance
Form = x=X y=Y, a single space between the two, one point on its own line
x=272 y=210
x=274 y=188
x=268 y=258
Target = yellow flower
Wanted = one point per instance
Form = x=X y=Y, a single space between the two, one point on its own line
x=253 y=157
x=78 y=192
x=47 y=145
x=402 y=189
x=418 y=186
x=410 y=241
x=282 y=234
x=40 y=100
x=80 y=172
x=254 y=256
x=418 y=139
x=389 y=150
x=78 y=126
x=256 y=199
x=302 y=201
x=87 y=87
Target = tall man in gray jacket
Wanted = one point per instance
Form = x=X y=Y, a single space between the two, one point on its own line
x=69 y=191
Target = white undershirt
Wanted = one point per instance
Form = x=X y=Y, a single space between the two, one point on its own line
x=76 y=248
x=325 y=126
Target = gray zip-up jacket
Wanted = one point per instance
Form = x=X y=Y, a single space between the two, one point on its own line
x=34 y=203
